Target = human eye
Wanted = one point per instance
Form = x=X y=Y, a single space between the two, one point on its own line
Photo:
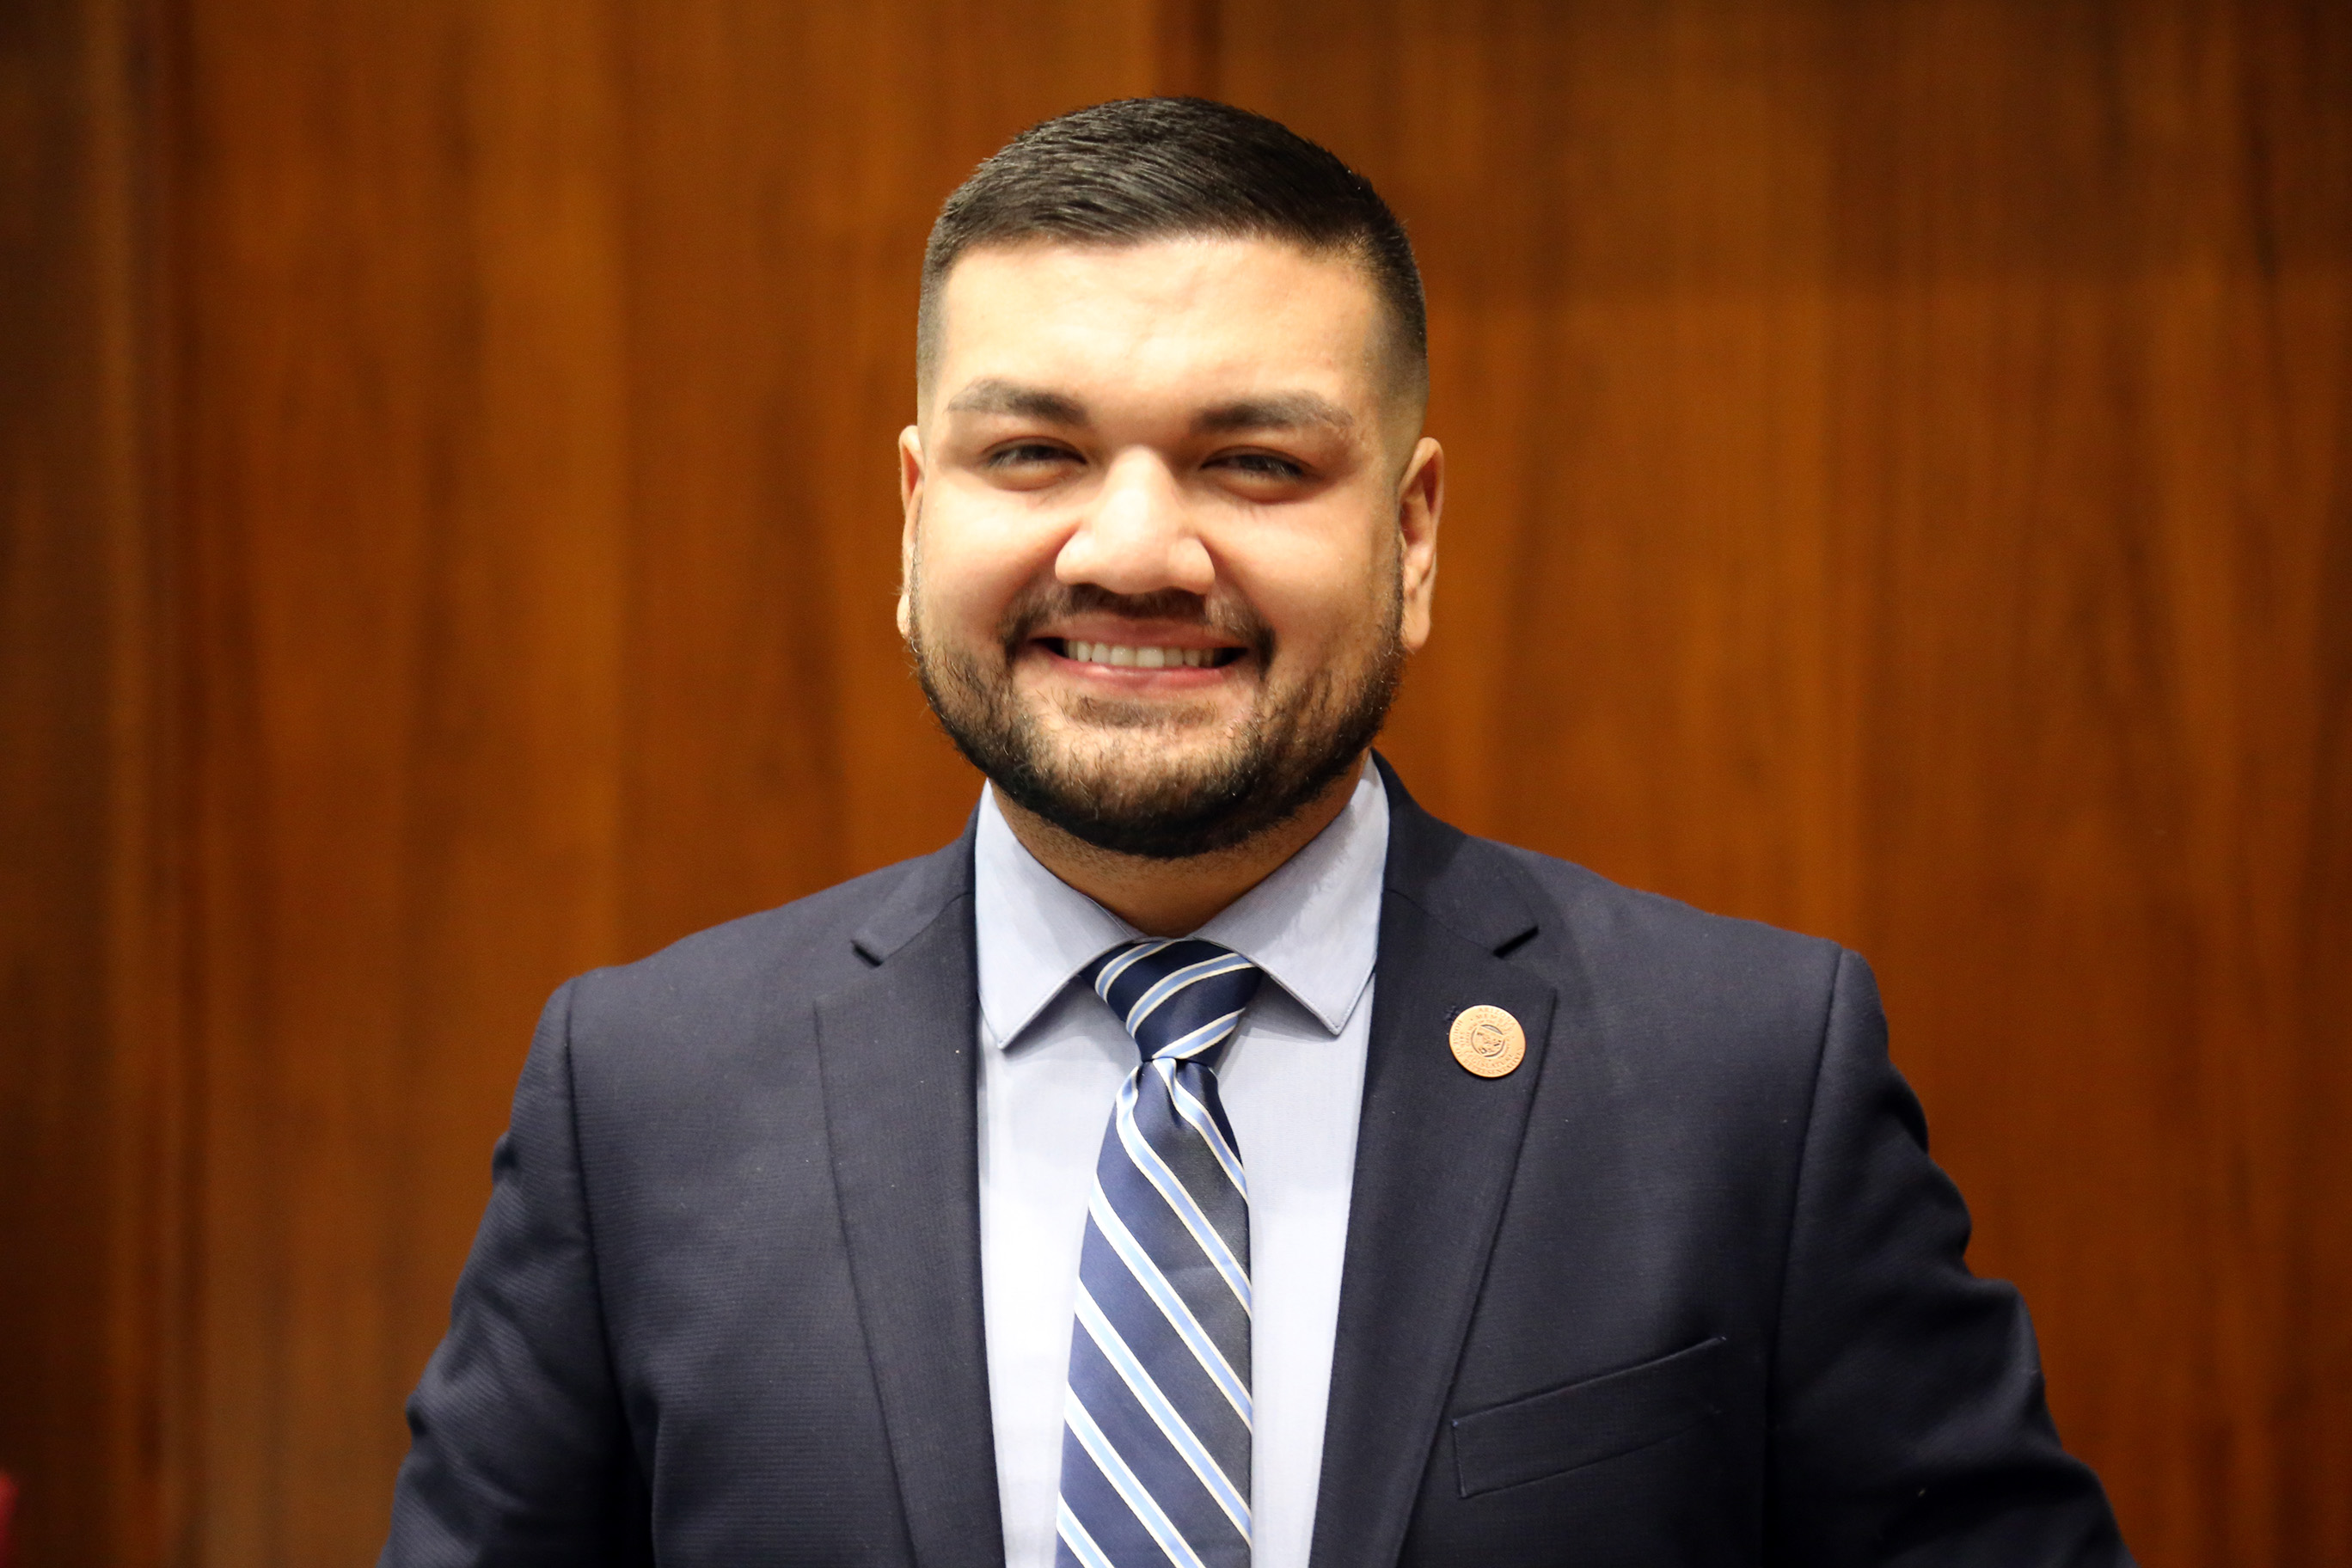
x=1027 y=461
x=1260 y=472
x=1014 y=453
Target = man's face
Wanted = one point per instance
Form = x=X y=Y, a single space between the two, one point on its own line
x=1169 y=532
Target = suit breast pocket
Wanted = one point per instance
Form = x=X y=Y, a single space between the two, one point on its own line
x=1599 y=1418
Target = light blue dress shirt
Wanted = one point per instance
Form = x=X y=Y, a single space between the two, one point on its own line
x=1052 y=1059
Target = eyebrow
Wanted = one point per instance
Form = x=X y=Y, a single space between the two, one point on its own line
x=994 y=394
x=1277 y=411
x=1281 y=411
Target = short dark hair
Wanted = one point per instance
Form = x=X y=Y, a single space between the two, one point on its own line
x=1140 y=169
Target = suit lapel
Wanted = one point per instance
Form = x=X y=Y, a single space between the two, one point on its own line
x=897 y=1050
x=1434 y=1158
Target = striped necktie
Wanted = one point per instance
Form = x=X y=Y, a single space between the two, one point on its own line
x=1156 y=1429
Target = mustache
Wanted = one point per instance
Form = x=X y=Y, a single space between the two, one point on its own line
x=1223 y=618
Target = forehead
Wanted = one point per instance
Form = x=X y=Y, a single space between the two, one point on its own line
x=1171 y=314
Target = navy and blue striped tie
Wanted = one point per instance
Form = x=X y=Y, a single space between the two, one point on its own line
x=1156 y=1431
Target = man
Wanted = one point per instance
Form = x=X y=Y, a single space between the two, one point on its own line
x=1211 y=1158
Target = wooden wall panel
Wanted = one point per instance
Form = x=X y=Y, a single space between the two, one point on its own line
x=404 y=497
x=87 y=1286
x=1902 y=489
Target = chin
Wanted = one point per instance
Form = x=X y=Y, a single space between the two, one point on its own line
x=1130 y=769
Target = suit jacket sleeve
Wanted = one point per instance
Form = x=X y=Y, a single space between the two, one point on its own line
x=1909 y=1425
x=520 y=1452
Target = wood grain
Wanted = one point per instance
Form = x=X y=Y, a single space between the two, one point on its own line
x=404 y=500
x=91 y=1317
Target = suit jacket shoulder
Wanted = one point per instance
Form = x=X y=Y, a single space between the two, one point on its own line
x=1681 y=973
x=684 y=1321
x=708 y=987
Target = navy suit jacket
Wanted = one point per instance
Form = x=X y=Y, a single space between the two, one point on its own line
x=1682 y=1289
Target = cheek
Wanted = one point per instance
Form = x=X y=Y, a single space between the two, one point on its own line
x=974 y=560
x=1321 y=589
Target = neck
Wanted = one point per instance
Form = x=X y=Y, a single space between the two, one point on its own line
x=1169 y=898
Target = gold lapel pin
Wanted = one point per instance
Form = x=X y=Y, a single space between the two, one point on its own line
x=1487 y=1041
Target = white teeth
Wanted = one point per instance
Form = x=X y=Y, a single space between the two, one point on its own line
x=1125 y=656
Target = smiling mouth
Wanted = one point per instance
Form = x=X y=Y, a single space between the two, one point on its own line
x=1133 y=655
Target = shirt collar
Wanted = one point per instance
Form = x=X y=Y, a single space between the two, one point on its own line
x=1313 y=926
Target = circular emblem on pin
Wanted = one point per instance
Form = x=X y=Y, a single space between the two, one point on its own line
x=1487 y=1040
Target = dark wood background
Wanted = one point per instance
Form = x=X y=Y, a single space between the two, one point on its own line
x=1902 y=489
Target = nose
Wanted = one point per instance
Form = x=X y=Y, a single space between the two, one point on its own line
x=1138 y=537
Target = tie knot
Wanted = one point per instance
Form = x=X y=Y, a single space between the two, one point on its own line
x=1178 y=998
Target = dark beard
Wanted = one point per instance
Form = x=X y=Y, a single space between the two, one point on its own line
x=1278 y=764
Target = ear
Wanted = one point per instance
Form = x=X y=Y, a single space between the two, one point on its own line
x=910 y=505
x=1421 y=503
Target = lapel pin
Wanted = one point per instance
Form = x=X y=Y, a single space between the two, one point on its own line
x=1487 y=1040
